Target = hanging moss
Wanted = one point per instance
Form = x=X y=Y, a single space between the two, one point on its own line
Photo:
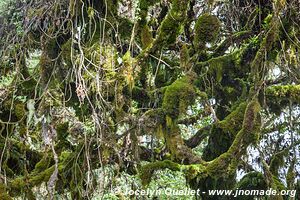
x=207 y=29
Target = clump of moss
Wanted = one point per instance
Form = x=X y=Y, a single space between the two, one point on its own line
x=207 y=29
x=243 y=139
x=184 y=58
x=146 y=37
x=277 y=184
x=42 y=164
x=19 y=110
x=178 y=96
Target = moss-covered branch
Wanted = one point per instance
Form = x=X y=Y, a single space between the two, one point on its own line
x=284 y=92
x=168 y=30
x=226 y=163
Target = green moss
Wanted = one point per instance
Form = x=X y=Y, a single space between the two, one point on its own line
x=247 y=135
x=184 y=58
x=19 y=109
x=277 y=184
x=66 y=52
x=222 y=133
x=17 y=185
x=178 y=96
x=147 y=170
x=265 y=46
x=219 y=167
x=223 y=69
x=171 y=26
x=251 y=181
x=3 y=193
x=290 y=92
x=251 y=118
x=207 y=29
x=41 y=177
x=277 y=162
x=42 y=164
x=232 y=123
x=146 y=36
x=195 y=171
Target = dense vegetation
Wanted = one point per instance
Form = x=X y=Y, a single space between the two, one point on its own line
x=96 y=92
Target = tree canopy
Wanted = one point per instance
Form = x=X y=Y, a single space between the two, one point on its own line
x=93 y=90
